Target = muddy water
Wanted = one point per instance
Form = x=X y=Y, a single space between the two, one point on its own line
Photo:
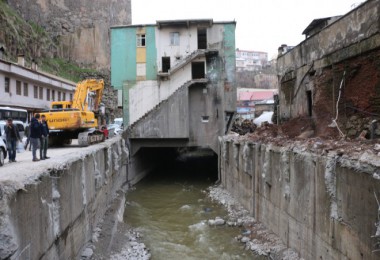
x=170 y=209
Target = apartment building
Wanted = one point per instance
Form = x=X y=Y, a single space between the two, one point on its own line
x=178 y=81
x=150 y=62
x=250 y=60
x=29 y=88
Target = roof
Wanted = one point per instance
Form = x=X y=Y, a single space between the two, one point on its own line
x=239 y=50
x=185 y=22
x=320 y=22
x=173 y=23
x=9 y=66
x=255 y=96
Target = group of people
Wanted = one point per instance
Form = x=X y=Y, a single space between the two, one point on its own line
x=37 y=134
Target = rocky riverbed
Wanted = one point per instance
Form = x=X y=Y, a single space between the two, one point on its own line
x=254 y=235
x=116 y=240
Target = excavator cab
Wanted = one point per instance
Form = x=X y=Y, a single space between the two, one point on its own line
x=61 y=105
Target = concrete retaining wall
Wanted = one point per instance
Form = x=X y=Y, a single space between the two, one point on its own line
x=322 y=206
x=53 y=217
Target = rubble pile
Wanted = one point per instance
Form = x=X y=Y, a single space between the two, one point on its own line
x=243 y=127
x=356 y=126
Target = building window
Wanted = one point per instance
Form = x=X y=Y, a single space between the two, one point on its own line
x=59 y=95
x=26 y=92
x=18 y=87
x=174 y=38
x=41 y=92
x=53 y=95
x=6 y=85
x=48 y=94
x=64 y=96
x=35 y=91
x=140 y=40
x=71 y=97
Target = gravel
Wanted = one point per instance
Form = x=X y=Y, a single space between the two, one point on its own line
x=254 y=236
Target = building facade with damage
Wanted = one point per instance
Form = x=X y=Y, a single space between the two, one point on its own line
x=177 y=78
x=333 y=76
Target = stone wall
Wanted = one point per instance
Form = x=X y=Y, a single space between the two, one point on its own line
x=337 y=66
x=324 y=206
x=54 y=215
x=81 y=28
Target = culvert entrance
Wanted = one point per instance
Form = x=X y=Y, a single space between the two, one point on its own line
x=170 y=207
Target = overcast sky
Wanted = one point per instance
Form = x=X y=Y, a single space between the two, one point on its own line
x=262 y=25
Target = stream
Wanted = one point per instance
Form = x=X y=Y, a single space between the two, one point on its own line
x=170 y=209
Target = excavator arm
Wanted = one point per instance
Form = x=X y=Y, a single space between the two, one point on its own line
x=82 y=99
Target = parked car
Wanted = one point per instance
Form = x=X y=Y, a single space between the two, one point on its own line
x=3 y=151
x=119 y=121
x=114 y=129
x=18 y=124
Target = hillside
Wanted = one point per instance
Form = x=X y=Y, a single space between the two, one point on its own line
x=18 y=36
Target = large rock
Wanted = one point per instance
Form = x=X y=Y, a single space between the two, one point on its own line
x=81 y=27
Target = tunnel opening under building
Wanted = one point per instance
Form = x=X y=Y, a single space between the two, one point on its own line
x=192 y=163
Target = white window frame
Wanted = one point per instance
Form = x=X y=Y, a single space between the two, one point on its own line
x=140 y=40
x=174 y=38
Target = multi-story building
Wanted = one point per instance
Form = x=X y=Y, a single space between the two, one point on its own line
x=29 y=88
x=250 y=60
x=193 y=60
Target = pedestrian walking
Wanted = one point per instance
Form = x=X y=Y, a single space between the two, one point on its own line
x=44 y=138
x=27 y=135
x=12 y=136
x=35 y=135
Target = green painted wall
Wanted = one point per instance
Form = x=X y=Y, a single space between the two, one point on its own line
x=151 y=53
x=229 y=51
x=123 y=56
x=123 y=61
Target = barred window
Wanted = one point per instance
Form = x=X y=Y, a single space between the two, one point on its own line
x=18 y=87
x=6 y=84
x=35 y=88
x=41 y=92
x=26 y=91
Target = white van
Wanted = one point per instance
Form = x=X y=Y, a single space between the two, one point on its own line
x=3 y=151
x=119 y=121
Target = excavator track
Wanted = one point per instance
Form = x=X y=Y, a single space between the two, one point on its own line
x=90 y=137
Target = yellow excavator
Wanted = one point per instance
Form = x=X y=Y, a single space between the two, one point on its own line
x=77 y=119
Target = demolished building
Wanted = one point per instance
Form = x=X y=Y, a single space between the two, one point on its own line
x=333 y=76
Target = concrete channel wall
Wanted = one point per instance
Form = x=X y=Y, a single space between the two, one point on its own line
x=324 y=206
x=53 y=216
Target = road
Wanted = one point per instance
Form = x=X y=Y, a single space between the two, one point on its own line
x=26 y=171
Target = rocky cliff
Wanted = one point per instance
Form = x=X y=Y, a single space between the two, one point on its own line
x=79 y=28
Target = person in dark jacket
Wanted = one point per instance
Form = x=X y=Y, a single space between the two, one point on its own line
x=27 y=135
x=12 y=136
x=35 y=135
x=44 y=138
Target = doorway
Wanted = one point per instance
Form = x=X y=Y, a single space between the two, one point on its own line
x=165 y=64
x=202 y=39
x=309 y=102
x=198 y=70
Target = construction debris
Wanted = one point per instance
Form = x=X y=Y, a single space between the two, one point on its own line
x=243 y=127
